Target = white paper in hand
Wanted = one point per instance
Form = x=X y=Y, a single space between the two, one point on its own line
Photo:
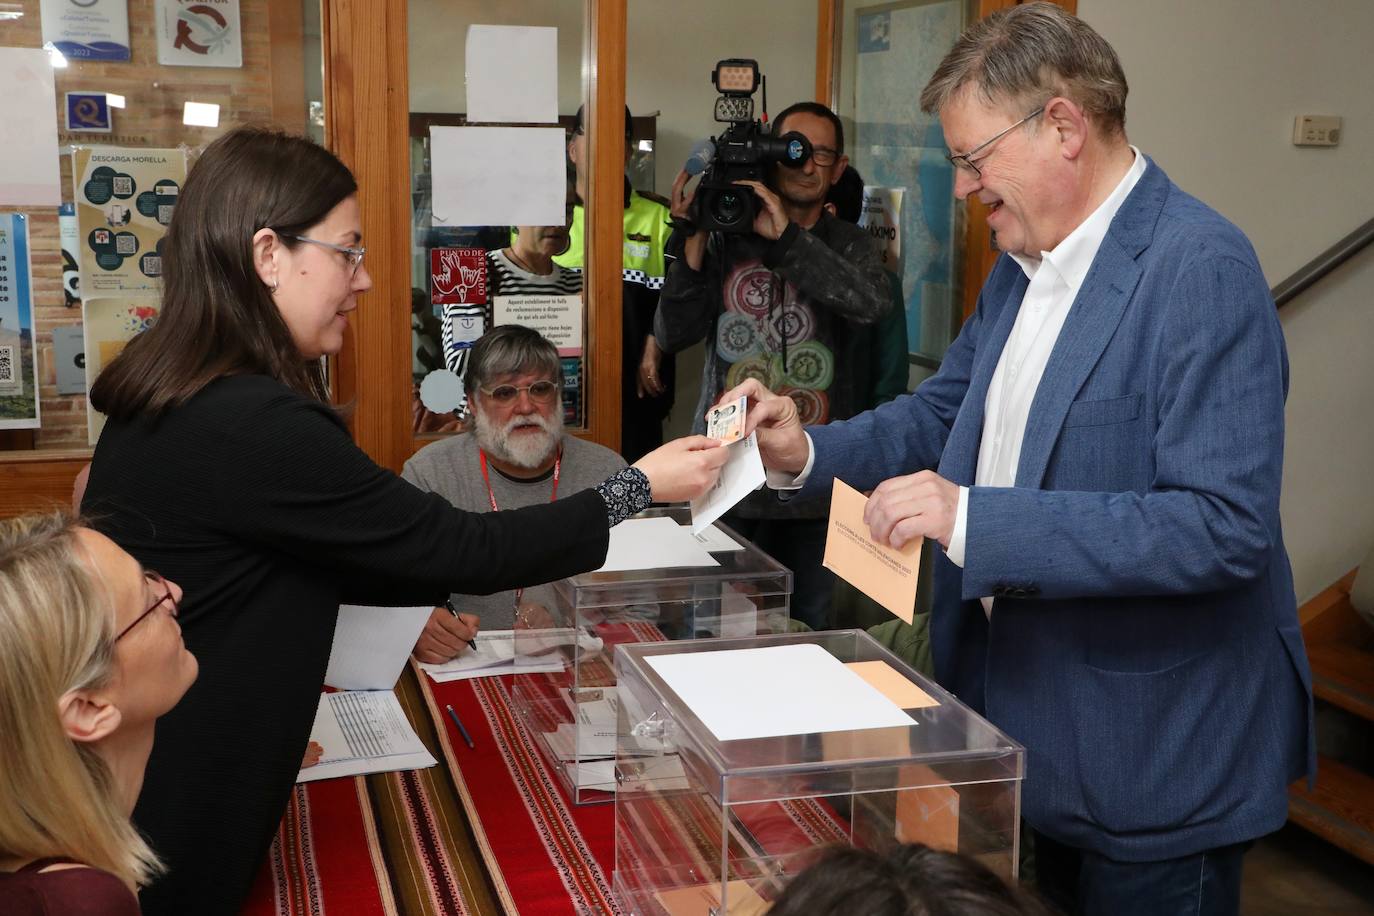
x=742 y=474
x=371 y=645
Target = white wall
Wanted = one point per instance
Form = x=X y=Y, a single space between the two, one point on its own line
x=1214 y=90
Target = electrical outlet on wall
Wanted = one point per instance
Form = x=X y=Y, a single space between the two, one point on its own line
x=1316 y=130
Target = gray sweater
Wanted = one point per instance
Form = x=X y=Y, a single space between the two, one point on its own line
x=451 y=467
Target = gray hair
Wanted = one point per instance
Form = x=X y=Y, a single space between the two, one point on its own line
x=1029 y=54
x=510 y=349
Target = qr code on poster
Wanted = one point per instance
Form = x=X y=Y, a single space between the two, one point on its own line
x=7 y=364
x=125 y=244
x=164 y=213
x=123 y=186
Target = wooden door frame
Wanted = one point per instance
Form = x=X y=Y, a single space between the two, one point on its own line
x=978 y=254
x=366 y=56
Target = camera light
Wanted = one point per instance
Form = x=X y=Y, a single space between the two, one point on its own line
x=736 y=76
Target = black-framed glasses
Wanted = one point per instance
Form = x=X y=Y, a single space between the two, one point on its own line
x=964 y=161
x=540 y=392
x=355 y=255
x=167 y=598
x=824 y=156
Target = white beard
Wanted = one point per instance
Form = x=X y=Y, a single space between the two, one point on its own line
x=525 y=450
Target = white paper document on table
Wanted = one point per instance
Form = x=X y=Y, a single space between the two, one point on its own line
x=742 y=474
x=363 y=731
x=792 y=690
x=495 y=654
x=653 y=543
x=371 y=645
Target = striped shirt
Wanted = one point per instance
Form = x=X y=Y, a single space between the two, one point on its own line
x=463 y=323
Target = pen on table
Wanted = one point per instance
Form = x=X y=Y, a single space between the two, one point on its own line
x=454 y=611
x=462 y=731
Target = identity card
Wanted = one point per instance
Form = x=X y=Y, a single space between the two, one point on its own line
x=726 y=422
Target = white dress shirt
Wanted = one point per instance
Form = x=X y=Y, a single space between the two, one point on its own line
x=1055 y=278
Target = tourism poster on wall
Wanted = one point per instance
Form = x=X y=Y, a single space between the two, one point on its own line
x=124 y=201
x=199 y=33
x=87 y=29
x=109 y=324
x=18 y=358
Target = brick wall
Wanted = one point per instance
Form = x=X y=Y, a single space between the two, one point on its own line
x=152 y=118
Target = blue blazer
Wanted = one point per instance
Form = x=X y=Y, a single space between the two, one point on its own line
x=1144 y=644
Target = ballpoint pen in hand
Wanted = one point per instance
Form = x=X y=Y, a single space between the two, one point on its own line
x=448 y=603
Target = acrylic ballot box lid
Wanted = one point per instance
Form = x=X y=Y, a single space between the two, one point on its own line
x=944 y=742
x=747 y=568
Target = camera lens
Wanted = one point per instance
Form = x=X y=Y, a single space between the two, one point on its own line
x=728 y=208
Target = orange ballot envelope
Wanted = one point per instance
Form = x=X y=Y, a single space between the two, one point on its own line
x=887 y=576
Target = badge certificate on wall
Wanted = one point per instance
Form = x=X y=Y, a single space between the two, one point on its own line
x=199 y=33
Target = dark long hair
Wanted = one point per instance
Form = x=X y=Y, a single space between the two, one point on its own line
x=911 y=880
x=217 y=317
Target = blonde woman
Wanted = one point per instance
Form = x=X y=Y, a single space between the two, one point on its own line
x=90 y=656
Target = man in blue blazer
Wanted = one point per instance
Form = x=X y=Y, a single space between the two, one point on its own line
x=1100 y=456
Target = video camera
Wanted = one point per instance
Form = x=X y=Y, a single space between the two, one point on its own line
x=741 y=151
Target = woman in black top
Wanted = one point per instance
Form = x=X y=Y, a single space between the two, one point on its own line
x=223 y=466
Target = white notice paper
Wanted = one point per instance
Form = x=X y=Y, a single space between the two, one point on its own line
x=498 y=176
x=371 y=645
x=742 y=474
x=28 y=156
x=559 y=318
x=792 y=690
x=492 y=93
x=363 y=731
x=653 y=543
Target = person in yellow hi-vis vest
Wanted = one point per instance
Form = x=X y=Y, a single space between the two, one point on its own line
x=646 y=386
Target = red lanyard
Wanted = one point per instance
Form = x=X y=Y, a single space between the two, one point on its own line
x=491 y=496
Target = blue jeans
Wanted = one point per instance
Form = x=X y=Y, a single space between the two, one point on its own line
x=1084 y=883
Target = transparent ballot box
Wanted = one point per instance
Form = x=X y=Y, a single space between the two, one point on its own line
x=568 y=698
x=743 y=758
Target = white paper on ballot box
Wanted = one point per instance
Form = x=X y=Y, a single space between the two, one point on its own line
x=793 y=690
x=498 y=176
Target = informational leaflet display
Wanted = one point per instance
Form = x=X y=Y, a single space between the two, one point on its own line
x=199 y=33
x=18 y=356
x=124 y=201
x=87 y=30
x=70 y=235
x=110 y=323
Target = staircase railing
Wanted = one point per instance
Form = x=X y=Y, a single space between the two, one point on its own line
x=1323 y=264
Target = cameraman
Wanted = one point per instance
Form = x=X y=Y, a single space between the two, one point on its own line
x=781 y=304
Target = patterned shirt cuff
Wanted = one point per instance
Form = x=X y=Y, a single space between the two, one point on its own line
x=625 y=493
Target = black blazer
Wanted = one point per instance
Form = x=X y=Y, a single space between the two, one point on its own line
x=258 y=504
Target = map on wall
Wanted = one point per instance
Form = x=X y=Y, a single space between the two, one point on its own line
x=896 y=145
